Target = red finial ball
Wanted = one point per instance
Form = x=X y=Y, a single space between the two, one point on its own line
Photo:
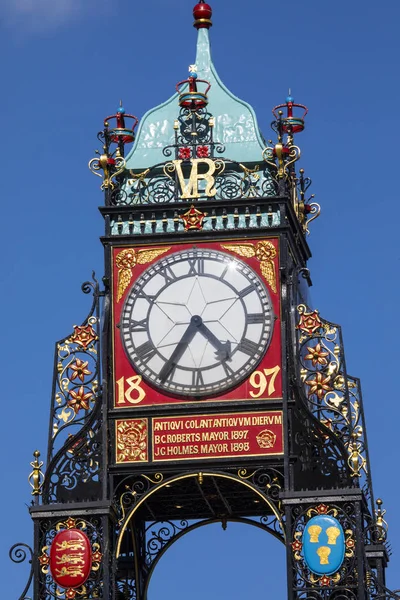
x=202 y=13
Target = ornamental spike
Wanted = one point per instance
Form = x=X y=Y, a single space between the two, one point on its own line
x=36 y=477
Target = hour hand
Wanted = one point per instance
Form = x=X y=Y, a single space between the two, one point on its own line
x=222 y=349
x=179 y=350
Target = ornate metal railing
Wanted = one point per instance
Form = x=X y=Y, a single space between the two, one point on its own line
x=333 y=396
x=162 y=183
x=76 y=376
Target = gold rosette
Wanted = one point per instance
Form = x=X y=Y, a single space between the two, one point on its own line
x=132 y=441
x=266 y=439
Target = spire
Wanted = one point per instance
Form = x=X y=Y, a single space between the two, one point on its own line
x=235 y=122
x=202 y=14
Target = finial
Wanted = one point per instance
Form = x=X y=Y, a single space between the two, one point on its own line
x=190 y=95
x=121 y=109
x=290 y=123
x=381 y=524
x=202 y=14
x=121 y=134
x=36 y=477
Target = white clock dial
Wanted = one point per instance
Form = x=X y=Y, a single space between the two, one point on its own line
x=197 y=322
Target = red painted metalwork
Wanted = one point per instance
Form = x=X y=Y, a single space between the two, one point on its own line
x=70 y=558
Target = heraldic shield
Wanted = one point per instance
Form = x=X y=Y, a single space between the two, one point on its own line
x=324 y=545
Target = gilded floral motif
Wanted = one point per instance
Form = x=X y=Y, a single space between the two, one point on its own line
x=131 y=441
x=317 y=355
x=193 y=218
x=319 y=385
x=83 y=335
x=79 y=369
x=80 y=399
x=309 y=322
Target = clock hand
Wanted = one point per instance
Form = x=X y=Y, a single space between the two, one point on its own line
x=223 y=350
x=185 y=340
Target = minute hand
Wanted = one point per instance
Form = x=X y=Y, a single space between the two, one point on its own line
x=223 y=348
x=179 y=350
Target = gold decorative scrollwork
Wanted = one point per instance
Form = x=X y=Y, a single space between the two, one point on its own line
x=242 y=473
x=297 y=545
x=127 y=259
x=111 y=167
x=322 y=509
x=280 y=157
x=265 y=252
x=77 y=389
x=315 y=211
x=333 y=396
x=128 y=497
x=350 y=543
x=157 y=478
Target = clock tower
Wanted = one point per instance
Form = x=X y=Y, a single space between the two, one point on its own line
x=202 y=386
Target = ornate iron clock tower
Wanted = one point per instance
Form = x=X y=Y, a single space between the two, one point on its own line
x=202 y=387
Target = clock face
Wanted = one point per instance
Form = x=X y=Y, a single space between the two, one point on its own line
x=197 y=322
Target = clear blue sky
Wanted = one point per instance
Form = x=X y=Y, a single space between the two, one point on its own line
x=65 y=65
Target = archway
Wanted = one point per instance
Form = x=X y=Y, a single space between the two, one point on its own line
x=219 y=564
x=183 y=504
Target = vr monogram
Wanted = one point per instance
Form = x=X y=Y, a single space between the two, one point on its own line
x=191 y=188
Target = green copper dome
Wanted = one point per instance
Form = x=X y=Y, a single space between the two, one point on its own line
x=235 y=121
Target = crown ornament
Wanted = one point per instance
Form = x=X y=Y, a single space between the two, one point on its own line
x=120 y=132
x=192 y=95
x=293 y=121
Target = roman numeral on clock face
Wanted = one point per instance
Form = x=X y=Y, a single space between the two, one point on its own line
x=197 y=377
x=248 y=347
x=253 y=318
x=196 y=266
x=142 y=294
x=229 y=372
x=168 y=275
x=146 y=351
x=138 y=325
x=247 y=290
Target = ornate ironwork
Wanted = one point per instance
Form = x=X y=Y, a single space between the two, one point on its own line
x=160 y=183
x=18 y=554
x=160 y=535
x=74 y=472
x=130 y=490
x=92 y=587
x=262 y=483
x=377 y=591
x=332 y=396
x=194 y=136
x=321 y=457
x=376 y=527
x=74 y=450
x=76 y=375
x=344 y=582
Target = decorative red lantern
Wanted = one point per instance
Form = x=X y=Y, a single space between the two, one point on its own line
x=70 y=558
